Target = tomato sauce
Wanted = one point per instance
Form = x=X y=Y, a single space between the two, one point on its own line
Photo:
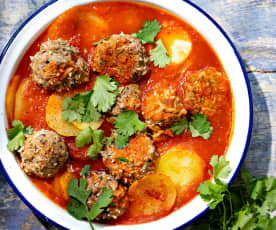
x=84 y=25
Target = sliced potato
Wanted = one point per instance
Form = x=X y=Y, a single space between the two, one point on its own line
x=20 y=104
x=61 y=183
x=83 y=125
x=178 y=44
x=54 y=118
x=11 y=95
x=185 y=168
x=153 y=194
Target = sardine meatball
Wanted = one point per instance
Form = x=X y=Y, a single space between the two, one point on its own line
x=121 y=56
x=162 y=106
x=132 y=162
x=43 y=154
x=96 y=182
x=205 y=90
x=57 y=66
x=129 y=98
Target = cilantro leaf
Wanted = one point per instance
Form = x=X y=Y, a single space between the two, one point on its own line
x=17 y=127
x=245 y=217
x=73 y=110
x=128 y=123
x=105 y=93
x=98 y=143
x=180 y=126
x=104 y=199
x=200 y=127
x=85 y=170
x=121 y=141
x=101 y=41
x=159 y=55
x=17 y=134
x=84 y=137
x=122 y=159
x=221 y=167
x=77 y=209
x=91 y=113
x=109 y=140
x=78 y=192
x=149 y=31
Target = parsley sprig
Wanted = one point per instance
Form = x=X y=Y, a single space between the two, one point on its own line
x=198 y=125
x=17 y=135
x=147 y=34
x=86 y=136
x=245 y=206
x=127 y=124
x=87 y=106
x=78 y=199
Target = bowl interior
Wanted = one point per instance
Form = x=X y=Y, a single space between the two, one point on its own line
x=194 y=16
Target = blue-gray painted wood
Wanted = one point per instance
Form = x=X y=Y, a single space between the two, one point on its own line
x=251 y=26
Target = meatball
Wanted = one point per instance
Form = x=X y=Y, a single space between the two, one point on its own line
x=96 y=182
x=205 y=90
x=58 y=66
x=122 y=57
x=162 y=106
x=43 y=154
x=129 y=98
x=138 y=158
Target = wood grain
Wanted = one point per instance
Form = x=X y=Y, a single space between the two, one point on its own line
x=252 y=28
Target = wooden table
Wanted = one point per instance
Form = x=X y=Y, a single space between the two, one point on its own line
x=251 y=24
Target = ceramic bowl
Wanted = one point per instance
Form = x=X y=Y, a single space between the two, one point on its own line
x=229 y=57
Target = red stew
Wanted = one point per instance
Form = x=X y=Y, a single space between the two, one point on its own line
x=74 y=26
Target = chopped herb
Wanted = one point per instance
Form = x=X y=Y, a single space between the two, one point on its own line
x=17 y=135
x=122 y=159
x=180 y=126
x=159 y=55
x=98 y=143
x=149 y=31
x=109 y=140
x=84 y=137
x=101 y=41
x=200 y=127
x=85 y=170
x=105 y=93
x=78 y=199
x=127 y=124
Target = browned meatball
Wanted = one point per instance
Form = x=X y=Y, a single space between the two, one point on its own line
x=162 y=106
x=139 y=153
x=129 y=98
x=58 y=66
x=43 y=154
x=205 y=90
x=96 y=183
x=121 y=56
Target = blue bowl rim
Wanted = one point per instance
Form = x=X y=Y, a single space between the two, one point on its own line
x=248 y=91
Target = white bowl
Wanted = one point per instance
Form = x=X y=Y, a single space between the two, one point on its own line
x=229 y=57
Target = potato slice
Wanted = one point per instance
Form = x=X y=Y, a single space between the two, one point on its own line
x=185 y=168
x=61 y=183
x=153 y=194
x=54 y=118
x=11 y=95
x=178 y=44
x=20 y=105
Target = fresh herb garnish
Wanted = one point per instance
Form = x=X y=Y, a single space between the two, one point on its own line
x=159 y=55
x=127 y=124
x=86 y=136
x=17 y=135
x=147 y=34
x=122 y=159
x=198 y=126
x=245 y=206
x=149 y=31
x=87 y=106
x=105 y=93
x=180 y=126
x=85 y=170
x=109 y=140
x=101 y=41
x=78 y=199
